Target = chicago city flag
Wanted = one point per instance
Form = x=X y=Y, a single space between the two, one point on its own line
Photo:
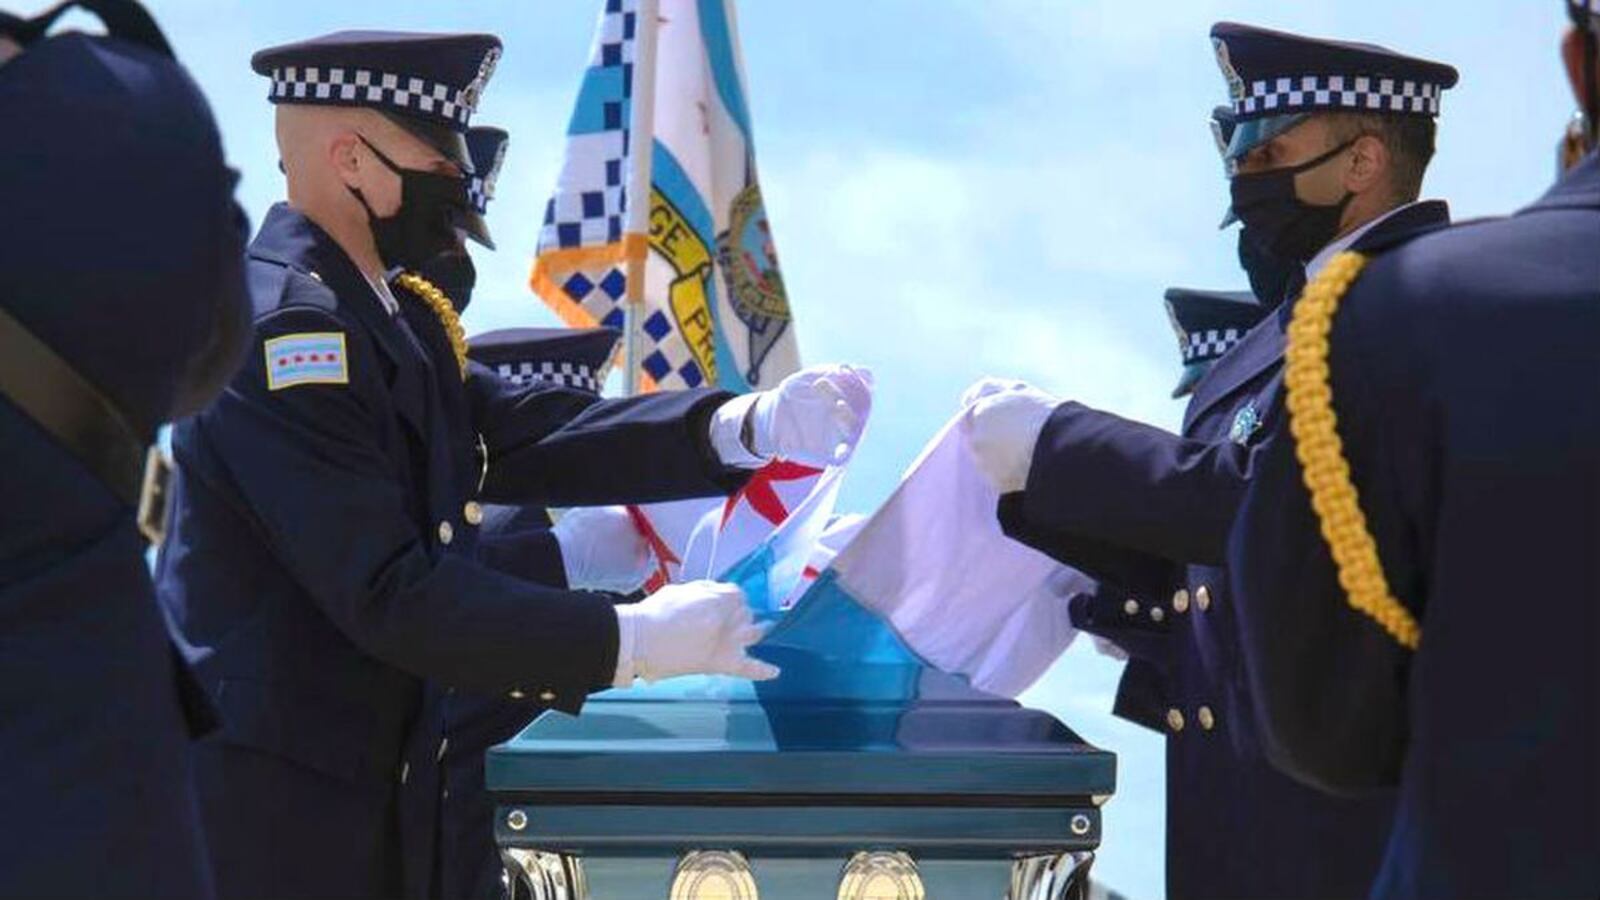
x=927 y=581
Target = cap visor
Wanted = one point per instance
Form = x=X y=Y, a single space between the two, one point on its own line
x=1192 y=373
x=1252 y=133
x=449 y=142
x=473 y=226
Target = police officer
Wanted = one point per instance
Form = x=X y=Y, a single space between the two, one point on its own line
x=1328 y=144
x=122 y=304
x=1208 y=324
x=446 y=814
x=323 y=562
x=448 y=825
x=1431 y=619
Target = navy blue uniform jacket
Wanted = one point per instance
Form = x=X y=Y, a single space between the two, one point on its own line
x=447 y=814
x=1147 y=512
x=123 y=252
x=322 y=564
x=1468 y=400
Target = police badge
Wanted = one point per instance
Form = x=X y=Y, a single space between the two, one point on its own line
x=749 y=264
x=473 y=92
x=1246 y=422
x=1225 y=63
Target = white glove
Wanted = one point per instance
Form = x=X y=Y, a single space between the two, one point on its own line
x=988 y=387
x=699 y=627
x=814 y=417
x=1003 y=425
x=601 y=549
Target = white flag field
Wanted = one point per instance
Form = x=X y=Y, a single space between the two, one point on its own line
x=691 y=278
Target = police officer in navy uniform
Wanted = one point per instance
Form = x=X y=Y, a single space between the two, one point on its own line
x=1208 y=325
x=323 y=561
x=446 y=814
x=122 y=304
x=1326 y=148
x=451 y=823
x=1462 y=667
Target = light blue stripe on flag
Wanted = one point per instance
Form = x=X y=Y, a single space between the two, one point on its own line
x=716 y=31
x=830 y=645
x=602 y=85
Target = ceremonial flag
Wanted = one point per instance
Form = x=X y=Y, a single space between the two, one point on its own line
x=929 y=580
x=691 y=276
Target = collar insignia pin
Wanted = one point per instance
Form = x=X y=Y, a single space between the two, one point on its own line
x=1246 y=422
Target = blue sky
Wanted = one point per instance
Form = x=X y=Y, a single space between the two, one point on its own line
x=960 y=188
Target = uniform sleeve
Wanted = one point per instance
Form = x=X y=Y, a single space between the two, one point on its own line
x=1137 y=487
x=1120 y=576
x=1133 y=572
x=1327 y=682
x=532 y=554
x=311 y=460
x=563 y=447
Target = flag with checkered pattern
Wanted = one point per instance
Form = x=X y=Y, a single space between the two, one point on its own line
x=712 y=311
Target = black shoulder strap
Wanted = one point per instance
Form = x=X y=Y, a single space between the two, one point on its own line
x=71 y=410
x=125 y=19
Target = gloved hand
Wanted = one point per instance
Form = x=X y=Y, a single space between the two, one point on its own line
x=601 y=549
x=988 y=387
x=814 y=417
x=699 y=627
x=1004 y=419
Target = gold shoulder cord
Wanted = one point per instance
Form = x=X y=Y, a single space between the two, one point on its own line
x=430 y=294
x=1321 y=453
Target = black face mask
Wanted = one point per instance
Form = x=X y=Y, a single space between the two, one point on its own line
x=1280 y=223
x=425 y=224
x=454 y=274
x=1271 y=277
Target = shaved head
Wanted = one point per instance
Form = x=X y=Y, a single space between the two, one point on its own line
x=336 y=178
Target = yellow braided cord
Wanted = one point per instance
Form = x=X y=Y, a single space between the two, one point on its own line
x=430 y=294
x=1321 y=453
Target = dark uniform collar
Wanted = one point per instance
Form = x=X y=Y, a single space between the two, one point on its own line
x=1579 y=188
x=288 y=238
x=1263 y=346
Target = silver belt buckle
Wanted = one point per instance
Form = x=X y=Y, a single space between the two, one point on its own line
x=153 y=495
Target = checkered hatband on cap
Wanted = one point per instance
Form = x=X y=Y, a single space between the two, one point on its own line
x=477 y=195
x=404 y=93
x=1356 y=93
x=1211 y=343
x=566 y=374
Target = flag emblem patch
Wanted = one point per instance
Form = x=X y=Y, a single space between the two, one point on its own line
x=315 y=358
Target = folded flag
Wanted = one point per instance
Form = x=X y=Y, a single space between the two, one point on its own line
x=929 y=580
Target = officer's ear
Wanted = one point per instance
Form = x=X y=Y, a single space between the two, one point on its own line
x=8 y=49
x=346 y=158
x=1370 y=162
x=1584 y=90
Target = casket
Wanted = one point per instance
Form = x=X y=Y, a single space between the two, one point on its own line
x=887 y=785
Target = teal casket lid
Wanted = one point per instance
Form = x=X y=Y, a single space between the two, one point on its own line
x=932 y=737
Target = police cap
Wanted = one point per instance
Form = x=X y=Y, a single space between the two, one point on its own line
x=1275 y=79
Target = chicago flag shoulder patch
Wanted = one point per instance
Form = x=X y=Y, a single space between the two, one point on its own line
x=311 y=358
